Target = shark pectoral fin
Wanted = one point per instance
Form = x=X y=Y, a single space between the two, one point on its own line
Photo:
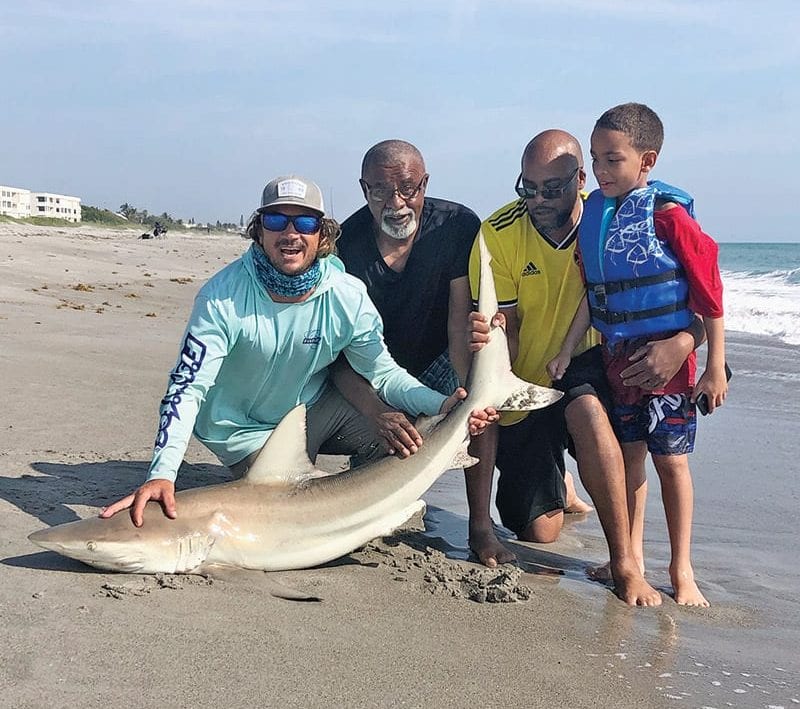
x=284 y=458
x=462 y=459
x=234 y=574
x=525 y=396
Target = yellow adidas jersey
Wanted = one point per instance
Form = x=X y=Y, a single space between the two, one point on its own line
x=543 y=282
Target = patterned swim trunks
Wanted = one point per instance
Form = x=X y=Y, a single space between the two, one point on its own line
x=667 y=423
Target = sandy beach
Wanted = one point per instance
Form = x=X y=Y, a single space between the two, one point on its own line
x=90 y=321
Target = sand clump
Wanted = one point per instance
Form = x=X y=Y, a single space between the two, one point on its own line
x=411 y=559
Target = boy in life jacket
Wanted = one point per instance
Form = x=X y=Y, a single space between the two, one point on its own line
x=648 y=269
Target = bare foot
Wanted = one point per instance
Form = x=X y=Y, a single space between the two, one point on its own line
x=602 y=573
x=574 y=503
x=630 y=586
x=487 y=547
x=686 y=591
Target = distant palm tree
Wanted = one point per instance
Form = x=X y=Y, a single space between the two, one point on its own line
x=127 y=210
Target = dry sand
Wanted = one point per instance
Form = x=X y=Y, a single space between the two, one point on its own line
x=90 y=321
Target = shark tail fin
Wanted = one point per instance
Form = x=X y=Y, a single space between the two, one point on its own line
x=491 y=366
x=524 y=396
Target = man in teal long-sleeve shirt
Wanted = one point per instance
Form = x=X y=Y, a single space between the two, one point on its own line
x=261 y=336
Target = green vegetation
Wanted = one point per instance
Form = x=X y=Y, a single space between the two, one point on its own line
x=132 y=214
x=128 y=217
x=38 y=221
x=97 y=215
x=49 y=221
x=144 y=217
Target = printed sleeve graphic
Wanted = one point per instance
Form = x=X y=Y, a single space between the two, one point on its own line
x=184 y=373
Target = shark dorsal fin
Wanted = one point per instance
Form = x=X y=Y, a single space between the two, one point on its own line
x=284 y=459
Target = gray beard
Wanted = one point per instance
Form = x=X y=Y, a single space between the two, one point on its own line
x=401 y=233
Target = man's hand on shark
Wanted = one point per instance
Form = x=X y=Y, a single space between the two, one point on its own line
x=479 y=329
x=479 y=419
x=163 y=491
x=402 y=439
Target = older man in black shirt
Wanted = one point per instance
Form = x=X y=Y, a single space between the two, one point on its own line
x=412 y=251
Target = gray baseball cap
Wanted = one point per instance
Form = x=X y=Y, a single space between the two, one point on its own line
x=292 y=189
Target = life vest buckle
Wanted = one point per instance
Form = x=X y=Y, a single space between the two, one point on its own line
x=599 y=290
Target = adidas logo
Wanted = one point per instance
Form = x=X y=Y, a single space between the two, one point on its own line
x=530 y=269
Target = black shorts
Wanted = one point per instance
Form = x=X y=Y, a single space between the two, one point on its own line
x=530 y=454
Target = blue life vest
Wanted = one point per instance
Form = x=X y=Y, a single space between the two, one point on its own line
x=635 y=284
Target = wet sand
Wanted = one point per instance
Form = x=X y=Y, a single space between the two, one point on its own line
x=90 y=321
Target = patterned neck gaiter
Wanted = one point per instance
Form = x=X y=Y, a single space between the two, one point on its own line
x=279 y=283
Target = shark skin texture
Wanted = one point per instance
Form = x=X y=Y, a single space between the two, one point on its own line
x=285 y=514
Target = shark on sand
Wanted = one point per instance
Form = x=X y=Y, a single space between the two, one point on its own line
x=284 y=514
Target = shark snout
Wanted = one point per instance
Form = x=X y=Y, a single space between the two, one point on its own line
x=44 y=538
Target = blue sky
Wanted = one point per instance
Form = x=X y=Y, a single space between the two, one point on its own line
x=190 y=107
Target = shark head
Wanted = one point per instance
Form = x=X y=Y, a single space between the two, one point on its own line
x=98 y=542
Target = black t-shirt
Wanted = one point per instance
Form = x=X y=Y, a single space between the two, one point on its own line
x=413 y=303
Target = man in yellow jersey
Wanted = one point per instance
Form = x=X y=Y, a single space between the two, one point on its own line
x=539 y=286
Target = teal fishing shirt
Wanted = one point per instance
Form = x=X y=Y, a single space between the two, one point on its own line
x=246 y=361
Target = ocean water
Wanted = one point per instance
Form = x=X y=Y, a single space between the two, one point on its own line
x=762 y=289
x=742 y=652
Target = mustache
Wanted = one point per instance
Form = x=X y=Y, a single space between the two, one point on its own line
x=387 y=212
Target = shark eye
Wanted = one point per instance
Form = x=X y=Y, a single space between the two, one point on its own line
x=91 y=546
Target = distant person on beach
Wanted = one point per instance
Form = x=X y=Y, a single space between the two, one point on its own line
x=412 y=252
x=261 y=336
x=649 y=269
x=532 y=241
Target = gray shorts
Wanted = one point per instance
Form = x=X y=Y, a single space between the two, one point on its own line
x=333 y=427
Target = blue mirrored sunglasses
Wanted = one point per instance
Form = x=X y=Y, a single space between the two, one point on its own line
x=304 y=223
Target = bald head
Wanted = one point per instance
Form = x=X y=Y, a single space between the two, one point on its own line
x=552 y=171
x=550 y=145
x=391 y=152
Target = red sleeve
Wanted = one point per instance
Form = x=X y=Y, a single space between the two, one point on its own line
x=697 y=253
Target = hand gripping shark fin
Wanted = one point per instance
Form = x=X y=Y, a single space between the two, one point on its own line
x=283 y=459
x=513 y=393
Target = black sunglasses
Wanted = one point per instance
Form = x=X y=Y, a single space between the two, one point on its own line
x=304 y=223
x=546 y=192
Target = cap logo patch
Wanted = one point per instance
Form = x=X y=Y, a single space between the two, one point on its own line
x=292 y=188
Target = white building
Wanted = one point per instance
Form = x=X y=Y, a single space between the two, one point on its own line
x=44 y=204
x=15 y=202
x=19 y=203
